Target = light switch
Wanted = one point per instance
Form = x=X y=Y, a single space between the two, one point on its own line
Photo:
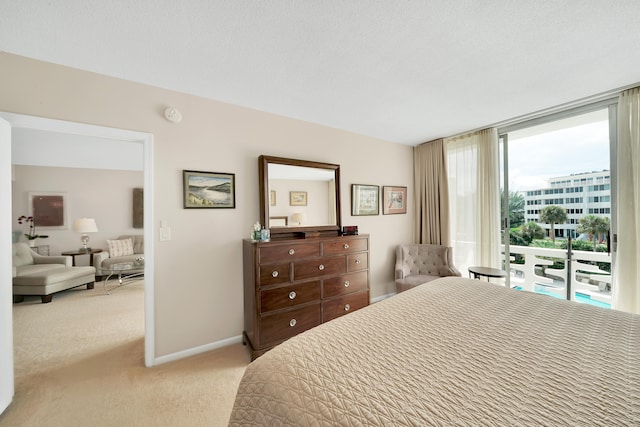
x=165 y=234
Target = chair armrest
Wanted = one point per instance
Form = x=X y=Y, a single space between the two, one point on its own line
x=52 y=259
x=99 y=257
x=401 y=270
x=449 y=270
x=453 y=271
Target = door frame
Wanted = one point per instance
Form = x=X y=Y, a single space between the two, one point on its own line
x=146 y=139
x=609 y=103
x=6 y=301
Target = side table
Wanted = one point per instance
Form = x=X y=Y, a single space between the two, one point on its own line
x=75 y=253
x=487 y=272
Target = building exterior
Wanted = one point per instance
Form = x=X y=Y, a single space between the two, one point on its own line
x=580 y=194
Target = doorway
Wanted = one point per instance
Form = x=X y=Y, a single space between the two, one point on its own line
x=45 y=124
x=558 y=204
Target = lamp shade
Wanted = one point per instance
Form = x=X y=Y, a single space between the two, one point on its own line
x=85 y=225
x=297 y=218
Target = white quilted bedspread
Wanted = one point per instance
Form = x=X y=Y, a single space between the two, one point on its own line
x=452 y=352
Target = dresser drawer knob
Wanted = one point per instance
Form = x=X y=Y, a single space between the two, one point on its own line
x=357 y=261
x=274 y=274
x=292 y=251
x=292 y=295
x=346 y=283
x=346 y=246
x=292 y=322
x=321 y=267
x=347 y=307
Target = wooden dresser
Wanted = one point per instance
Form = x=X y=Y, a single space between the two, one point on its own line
x=292 y=285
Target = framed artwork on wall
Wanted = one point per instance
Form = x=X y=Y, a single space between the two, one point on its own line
x=138 y=208
x=297 y=198
x=208 y=190
x=49 y=209
x=394 y=200
x=365 y=200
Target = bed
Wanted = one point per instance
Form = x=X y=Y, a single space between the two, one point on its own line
x=454 y=351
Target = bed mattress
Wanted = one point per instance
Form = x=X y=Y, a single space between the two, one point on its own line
x=452 y=352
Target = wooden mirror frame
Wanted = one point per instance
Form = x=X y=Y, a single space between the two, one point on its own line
x=263 y=175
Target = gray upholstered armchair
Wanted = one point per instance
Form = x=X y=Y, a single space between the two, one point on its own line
x=417 y=264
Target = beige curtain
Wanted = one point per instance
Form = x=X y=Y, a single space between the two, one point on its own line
x=473 y=167
x=488 y=220
x=431 y=205
x=626 y=286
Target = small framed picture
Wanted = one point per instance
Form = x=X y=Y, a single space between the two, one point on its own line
x=272 y=198
x=297 y=198
x=209 y=189
x=365 y=200
x=394 y=200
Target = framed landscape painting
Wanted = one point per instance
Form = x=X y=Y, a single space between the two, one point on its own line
x=297 y=198
x=365 y=199
x=394 y=200
x=209 y=189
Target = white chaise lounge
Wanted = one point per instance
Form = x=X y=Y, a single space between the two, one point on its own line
x=35 y=274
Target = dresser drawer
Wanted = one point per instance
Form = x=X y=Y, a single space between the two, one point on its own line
x=283 y=325
x=271 y=274
x=346 y=284
x=344 y=246
x=357 y=262
x=319 y=267
x=290 y=251
x=289 y=296
x=343 y=305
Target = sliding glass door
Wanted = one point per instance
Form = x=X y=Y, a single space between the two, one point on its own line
x=557 y=204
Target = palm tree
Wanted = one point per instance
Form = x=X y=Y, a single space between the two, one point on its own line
x=516 y=208
x=603 y=226
x=553 y=215
x=593 y=226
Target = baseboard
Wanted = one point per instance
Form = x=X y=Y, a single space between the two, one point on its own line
x=196 y=350
x=222 y=343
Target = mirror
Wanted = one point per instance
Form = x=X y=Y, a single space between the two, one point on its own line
x=299 y=196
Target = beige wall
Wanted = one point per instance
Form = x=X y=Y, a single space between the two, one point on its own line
x=198 y=286
x=106 y=195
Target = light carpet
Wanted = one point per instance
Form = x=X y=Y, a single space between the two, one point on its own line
x=79 y=361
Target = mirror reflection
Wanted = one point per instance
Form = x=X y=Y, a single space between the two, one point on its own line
x=301 y=196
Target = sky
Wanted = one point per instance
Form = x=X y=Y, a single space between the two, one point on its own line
x=534 y=159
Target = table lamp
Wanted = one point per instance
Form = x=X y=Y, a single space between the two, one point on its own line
x=84 y=226
x=297 y=218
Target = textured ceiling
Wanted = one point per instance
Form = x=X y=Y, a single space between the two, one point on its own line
x=405 y=71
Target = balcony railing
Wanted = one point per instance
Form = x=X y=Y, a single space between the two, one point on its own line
x=578 y=279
